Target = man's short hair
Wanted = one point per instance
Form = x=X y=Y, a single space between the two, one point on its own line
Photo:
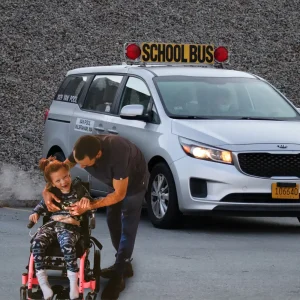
x=87 y=145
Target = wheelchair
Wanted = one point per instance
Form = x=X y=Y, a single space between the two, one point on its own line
x=54 y=260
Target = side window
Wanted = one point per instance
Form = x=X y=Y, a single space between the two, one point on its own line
x=136 y=92
x=102 y=93
x=61 y=88
x=71 y=88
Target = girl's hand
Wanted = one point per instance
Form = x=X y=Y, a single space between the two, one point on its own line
x=79 y=207
x=34 y=217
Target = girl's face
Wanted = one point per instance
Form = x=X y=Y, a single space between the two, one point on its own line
x=62 y=180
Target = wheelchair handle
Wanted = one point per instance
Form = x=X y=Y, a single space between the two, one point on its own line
x=30 y=224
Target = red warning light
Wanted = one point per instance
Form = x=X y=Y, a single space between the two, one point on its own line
x=133 y=51
x=221 y=54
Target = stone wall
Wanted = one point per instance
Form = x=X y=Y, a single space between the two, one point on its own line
x=41 y=40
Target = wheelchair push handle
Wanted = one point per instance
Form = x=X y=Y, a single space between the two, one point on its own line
x=30 y=224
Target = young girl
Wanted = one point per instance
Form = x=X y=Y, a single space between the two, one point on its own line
x=65 y=227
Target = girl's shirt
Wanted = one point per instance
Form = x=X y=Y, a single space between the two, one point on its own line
x=77 y=191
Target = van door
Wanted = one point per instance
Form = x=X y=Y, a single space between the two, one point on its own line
x=93 y=117
x=144 y=135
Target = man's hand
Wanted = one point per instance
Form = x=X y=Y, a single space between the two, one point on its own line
x=79 y=207
x=48 y=200
x=34 y=217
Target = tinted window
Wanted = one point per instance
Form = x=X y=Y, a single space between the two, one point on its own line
x=71 y=88
x=102 y=92
x=222 y=97
x=136 y=92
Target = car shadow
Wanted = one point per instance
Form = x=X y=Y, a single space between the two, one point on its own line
x=235 y=225
x=230 y=224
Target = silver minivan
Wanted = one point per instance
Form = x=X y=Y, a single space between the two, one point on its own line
x=217 y=141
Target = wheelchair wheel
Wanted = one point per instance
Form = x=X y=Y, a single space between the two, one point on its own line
x=97 y=269
x=23 y=293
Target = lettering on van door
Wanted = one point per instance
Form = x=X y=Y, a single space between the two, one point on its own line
x=84 y=125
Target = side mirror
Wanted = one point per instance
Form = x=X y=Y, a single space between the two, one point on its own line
x=134 y=112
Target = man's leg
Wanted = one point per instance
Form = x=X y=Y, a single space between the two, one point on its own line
x=113 y=214
x=131 y=212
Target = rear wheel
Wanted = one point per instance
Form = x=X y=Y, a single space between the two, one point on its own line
x=162 y=199
x=97 y=269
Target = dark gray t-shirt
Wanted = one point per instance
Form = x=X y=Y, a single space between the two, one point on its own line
x=120 y=159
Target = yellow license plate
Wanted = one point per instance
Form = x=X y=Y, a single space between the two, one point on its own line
x=281 y=191
x=177 y=53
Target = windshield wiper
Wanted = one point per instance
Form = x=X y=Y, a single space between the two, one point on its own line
x=259 y=118
x=190 y=117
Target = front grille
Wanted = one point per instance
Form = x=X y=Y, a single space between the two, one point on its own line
x=268 y=165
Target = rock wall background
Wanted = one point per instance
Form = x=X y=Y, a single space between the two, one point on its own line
x=41 y=40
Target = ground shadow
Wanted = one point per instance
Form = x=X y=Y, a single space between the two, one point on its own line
x=231 y=224
x=236 y=225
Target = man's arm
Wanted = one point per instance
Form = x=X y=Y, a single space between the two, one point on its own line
x=121 y=171
x=118 y=195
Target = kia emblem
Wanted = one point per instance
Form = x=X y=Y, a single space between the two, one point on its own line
x=282 y=146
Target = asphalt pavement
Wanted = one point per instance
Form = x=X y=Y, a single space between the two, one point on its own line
x=208 y=259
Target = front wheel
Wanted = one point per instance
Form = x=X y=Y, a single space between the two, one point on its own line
x=23 y=293
x=162 y=199
x=91 y=296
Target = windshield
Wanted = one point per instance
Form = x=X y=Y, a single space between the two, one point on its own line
x=236 y=98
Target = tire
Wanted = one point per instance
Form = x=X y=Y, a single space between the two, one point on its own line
x=97 y=269
x=23 y=293
x=59 y=156
x=91 y=296
x=171 y=218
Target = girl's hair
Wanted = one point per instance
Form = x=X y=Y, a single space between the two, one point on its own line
x=49 y=166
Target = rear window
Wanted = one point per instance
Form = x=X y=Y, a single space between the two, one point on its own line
x=71 y=88
x=187 y=96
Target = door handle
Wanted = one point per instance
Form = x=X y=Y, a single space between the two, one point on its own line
x=112 y=131
x=99 y=128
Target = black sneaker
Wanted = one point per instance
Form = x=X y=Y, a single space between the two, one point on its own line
x=110 y=271
x=113 y=288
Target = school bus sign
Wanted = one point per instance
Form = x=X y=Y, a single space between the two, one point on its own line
x=156 y=53
x=177 y=53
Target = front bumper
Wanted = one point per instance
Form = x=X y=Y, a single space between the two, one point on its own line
x=228 y=190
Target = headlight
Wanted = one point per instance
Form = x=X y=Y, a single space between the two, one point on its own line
x=206 y=153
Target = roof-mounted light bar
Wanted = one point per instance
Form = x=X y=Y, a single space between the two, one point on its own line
x=164 y=53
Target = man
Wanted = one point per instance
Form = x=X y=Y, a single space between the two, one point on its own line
x=121 y=165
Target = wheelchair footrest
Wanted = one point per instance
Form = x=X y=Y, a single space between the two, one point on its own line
x=36 y=295
x=63 y=294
